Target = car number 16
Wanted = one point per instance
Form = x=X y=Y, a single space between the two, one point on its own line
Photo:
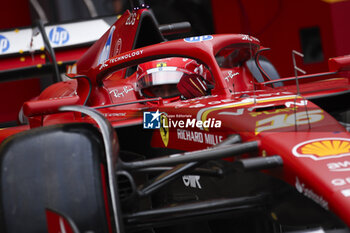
x=286 y=120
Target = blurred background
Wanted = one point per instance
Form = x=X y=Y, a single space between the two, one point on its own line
x=317 y=28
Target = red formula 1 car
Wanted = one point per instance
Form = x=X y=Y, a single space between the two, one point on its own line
x=191 y=135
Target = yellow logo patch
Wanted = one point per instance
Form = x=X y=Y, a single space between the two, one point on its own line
x=161 y=64
x=164 y=132
x=323 y=148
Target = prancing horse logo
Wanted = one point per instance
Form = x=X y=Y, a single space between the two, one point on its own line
x=164 y=132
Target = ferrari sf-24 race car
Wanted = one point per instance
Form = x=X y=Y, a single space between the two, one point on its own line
x=190 y=135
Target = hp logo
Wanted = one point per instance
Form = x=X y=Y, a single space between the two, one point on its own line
x=198 y=38
x=59 y=35
x=4 y=44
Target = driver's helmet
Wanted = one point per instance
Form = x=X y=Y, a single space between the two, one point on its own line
x=163 y=78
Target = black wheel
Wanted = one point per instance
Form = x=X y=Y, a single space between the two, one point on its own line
x=59 y=167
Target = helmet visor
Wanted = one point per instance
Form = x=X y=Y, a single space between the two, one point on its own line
x=160 y=76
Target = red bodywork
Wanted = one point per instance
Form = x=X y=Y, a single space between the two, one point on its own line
x=314 y=147
x=25 y=60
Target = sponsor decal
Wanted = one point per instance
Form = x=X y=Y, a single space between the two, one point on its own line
x=300 y=187
x=120 y=58
x=131 y=19
x=193 y=136
x=341 y=181
x=106 y=48
x=4 y=44
x=127 y=56
x=160 y=65
x=203 y=113
x=343 y=166
x=324 y=148
x=346 y=192
x=195 y=102
x=164 y=132
x=121 y=93
x=198 y=38
x=192 y=181
x=253 y=113
x=118 y=47
x=59 y=35
x=230 y=75
x=249 y=38
x=287 y=120
x=272 y=111
x=151 y=120
x=301 y=103
x=71 y=34
x=121 y=114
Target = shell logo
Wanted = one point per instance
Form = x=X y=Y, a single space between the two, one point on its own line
x=323 y=148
